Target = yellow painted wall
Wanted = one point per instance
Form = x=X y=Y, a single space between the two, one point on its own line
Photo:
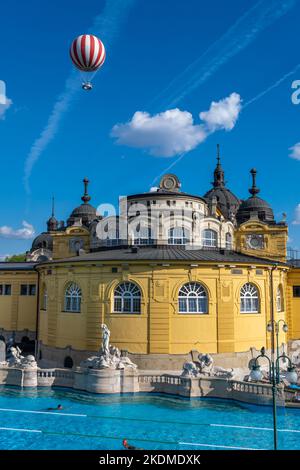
x=18 y=313
x=293 y=304
x=275 y=239
x=159 y=328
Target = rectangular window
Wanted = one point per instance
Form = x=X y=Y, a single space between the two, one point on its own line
x=7 y=289
x=296 y=291
x=32 y=289
x=23 y=290
x=27 y=289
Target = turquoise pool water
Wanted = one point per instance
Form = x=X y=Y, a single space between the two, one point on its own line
x=149 y=422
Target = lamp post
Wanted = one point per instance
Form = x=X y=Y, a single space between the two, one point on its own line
x=274 y=327
x=256 y=375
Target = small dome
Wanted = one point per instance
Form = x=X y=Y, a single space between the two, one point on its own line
x=254 y=205
x=227 y=202
x=85 y=211
x=44 y=240
x=52 y=224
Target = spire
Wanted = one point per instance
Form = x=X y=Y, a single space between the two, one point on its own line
x=52 y=213
x=86 y=198
x=254 y=190
x=52 y=223
x=219 y=172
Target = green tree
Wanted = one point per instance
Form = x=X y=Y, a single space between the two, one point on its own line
x=14 y=258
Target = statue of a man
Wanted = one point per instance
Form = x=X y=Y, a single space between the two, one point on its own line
x=105 y=339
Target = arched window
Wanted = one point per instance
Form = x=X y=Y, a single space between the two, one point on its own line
x=228 y=241
x=142 y=236
x=249 y=299
x=127 y=298
x=68 y=362
x=73 y=298
x=178 y=236
x=209 y=238
x=192 y=298
x=279 y=299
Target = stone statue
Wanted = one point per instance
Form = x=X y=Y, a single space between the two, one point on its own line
x=2 y=352
x=205 y=366
x=190 y=370
x=15 y=359
x=109 y=357
x=14 y=356
x=105 y=339
x=28 y=362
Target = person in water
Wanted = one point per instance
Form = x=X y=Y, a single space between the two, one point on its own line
x=59 y=407
x=128 y=446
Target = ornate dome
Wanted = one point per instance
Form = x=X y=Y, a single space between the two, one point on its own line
x=227 y=202
x=44 y=240
x=255 y=206
x=85 y=211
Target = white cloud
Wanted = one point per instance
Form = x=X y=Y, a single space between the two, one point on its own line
x=165 y=134
x=26 y=232
x=295 y=151
x=223 y=114
x=174 y=132
x=4 y=107
x=296 y=220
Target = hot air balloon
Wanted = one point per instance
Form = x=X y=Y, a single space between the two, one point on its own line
x=88 y=55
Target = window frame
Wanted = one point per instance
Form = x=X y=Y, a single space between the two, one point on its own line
x=127 y=299
x=251 y=300
x=72 y=301
x=196 y=296
x=213 y=241
x=180 y=239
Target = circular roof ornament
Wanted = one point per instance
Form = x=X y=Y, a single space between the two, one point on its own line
x=170 y=183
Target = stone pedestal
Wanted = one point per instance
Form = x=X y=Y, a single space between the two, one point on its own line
x=21 y=377
x=106 y=380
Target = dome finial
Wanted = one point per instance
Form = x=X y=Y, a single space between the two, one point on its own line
x=218 y=173
x=52 y=213
x=86 y=198
x=254 y=190
x=218 y=154
x=52 y=223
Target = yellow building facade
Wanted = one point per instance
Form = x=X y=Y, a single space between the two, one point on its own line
x=172 y=273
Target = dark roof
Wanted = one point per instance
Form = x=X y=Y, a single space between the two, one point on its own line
x=227 y=202
x=256 y=205
x=168 y=254
x=17 y=266
x=44 y=240
x=86 y=212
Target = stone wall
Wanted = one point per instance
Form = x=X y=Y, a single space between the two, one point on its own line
x=55 y=357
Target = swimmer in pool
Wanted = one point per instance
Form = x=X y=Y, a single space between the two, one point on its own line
x=59 y=407
x=128 y=446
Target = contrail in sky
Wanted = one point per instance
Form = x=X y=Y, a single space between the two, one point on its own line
x=108 y=26
x=272 y=87
x=242 y=33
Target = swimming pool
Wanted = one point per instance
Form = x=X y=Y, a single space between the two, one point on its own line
x=147 y=421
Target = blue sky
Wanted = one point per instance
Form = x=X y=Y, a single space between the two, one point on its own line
x=149 y=45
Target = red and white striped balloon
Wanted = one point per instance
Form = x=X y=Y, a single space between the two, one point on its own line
x=87 y=53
